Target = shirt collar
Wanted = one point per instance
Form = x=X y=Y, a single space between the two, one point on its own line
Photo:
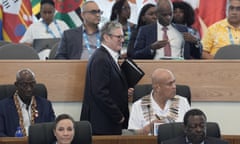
x=22 y=104
x=114 y=54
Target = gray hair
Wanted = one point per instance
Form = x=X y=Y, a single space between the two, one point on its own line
x=108 y=27
x=25 y=70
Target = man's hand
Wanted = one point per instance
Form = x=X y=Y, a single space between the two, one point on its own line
x=159 y=44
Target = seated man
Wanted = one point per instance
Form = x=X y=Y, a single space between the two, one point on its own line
x=81 y=42
x=23 y=109
x=195 y=130
x=224 y=32
x=164 y=40
x=161 y=106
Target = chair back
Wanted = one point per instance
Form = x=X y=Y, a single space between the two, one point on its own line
x=53 y=51
x=172 y=130
x=228 y=52
x=2 y=43
x=17 y=51
x=8 y=90
x=145 y=89
x=42 y=133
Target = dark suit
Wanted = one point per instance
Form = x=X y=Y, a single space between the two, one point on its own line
x=106 y=95
x=9 y=120
x=182 y=140
x=70 y=46
x=148 y=35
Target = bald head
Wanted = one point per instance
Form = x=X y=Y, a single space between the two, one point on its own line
x=163 y=83
x=160 y=75
x=87 y=5
x=164 y=12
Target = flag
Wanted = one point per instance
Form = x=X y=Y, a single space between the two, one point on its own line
x=209 y=12
x=66 y=10
x=15 y=18
x=36 y=7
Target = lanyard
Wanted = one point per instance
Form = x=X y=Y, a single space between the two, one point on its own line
x=230 y=35
x=129 y=31
x=98 y=43
x=50 y=31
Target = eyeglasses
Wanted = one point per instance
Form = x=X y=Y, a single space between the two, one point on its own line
x=94 y=12
x=117 y=36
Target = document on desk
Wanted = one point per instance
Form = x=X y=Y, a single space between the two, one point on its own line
x=132 y=72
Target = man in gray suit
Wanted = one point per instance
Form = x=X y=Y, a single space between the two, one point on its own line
x=81 y=42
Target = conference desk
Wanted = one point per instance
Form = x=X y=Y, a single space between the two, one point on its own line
x=209 y=80
x=232 y=139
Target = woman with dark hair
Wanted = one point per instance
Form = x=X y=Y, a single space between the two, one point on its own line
x=121 y=12
x=146 y=16
x=63 y=129
x=185 y=15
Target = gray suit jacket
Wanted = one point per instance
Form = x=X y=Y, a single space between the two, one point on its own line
x=70 y=46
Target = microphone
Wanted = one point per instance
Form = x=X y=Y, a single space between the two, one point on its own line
x=149 y=114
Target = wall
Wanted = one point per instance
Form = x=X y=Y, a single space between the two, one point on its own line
x=225 y=113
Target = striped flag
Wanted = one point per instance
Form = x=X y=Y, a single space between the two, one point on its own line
x=66 y=11
x=16 y=16
x=36 y=7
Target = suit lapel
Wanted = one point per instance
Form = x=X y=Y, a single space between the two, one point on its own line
x=116 y=67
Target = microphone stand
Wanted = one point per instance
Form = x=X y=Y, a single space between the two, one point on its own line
x=149 y=114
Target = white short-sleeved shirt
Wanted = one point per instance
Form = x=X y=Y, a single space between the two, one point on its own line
x=137 y=120
x=38 y=30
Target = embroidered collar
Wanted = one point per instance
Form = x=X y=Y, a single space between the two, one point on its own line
x=173 y=111
x=34 y=113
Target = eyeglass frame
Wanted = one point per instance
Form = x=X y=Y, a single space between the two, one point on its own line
x=94 y=12
x=120 y=37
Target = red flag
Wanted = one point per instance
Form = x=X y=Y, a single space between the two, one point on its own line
x=17 y=16
x=209 y=12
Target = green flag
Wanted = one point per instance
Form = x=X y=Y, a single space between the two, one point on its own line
x=69 y=11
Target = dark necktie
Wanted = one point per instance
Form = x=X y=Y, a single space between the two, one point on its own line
x=167 y=48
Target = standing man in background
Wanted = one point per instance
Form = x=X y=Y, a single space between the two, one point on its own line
x=105 y=103
x=81 y=42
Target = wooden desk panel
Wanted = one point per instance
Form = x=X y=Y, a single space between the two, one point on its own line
x=232 y=139
x=210 y=80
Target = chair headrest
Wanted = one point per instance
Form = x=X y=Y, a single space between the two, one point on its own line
x=8 y=90
x=42 y=133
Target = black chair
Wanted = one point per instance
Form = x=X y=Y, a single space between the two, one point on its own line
x=53 y=51
x=42 y=133
x=17 y=51
x=145 y=89
x=2 y=43
x=171 y=130
x=9 y=90
x=228 y=52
